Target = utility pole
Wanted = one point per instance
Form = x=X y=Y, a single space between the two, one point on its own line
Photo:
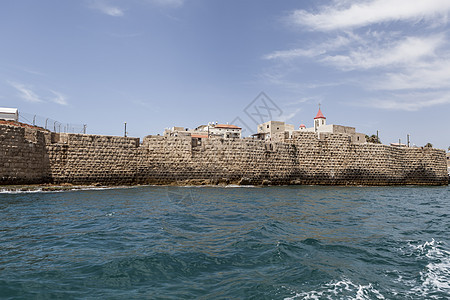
x=125 y=132
x=84 y=128
x=378 y=139
x=407 y=137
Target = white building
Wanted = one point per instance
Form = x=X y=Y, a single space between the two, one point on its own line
x=269 y=129
x=226 y=131
x=321 y=127
x=9 y=114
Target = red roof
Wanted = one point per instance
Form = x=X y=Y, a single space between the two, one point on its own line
x=227 y=126
x=319 y=115
x=196 y=135
x=20 y=124
x=302 y=126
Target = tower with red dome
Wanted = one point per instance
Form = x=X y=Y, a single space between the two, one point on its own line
x=319 y=120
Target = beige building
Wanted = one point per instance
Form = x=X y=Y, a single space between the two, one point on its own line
x=177 y=131
x=225 y=131
x=268 y=130
x=321 y=127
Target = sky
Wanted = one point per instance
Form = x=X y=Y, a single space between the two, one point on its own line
x=377 y=65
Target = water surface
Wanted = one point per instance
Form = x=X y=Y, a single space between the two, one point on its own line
x=227 y=243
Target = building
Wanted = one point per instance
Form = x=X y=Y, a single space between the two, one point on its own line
x=177 y=131
x=226 y=131
x=321 y=127
x=269 y=129
x=398 y=144
x=9 y=114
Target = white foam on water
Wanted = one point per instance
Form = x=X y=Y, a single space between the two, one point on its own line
x=436 y=275
x=239 y=186
x=343 y=289
x=62 y=190
x=8 y=191
x=210 y=186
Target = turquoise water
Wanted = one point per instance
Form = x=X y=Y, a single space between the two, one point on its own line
x=226 y=243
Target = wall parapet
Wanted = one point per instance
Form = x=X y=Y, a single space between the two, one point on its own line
x=39 y=157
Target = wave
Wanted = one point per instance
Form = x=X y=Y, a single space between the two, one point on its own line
x=436 y=275
x=344 y=288
x=53 y=190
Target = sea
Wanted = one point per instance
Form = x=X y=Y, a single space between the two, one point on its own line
x=234 y=242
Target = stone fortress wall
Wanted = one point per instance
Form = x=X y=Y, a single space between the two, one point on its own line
x=34 y=156
x=23 y=155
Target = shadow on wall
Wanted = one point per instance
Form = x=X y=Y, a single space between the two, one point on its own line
x=25 y=159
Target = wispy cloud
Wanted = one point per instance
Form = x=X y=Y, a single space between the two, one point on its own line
x=106 y=8
x=168 y=3
x=410 y=50
x=411 y=57
x=354 y=14
x=113 y=9
x=29 y=94
x=409 y=101
x=314 y=51
x=59 y=98
x=125 y=35
x=25 y=92
x=434 y=75
x=285 y=117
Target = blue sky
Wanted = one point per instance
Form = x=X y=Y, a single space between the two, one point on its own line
x=373 y=64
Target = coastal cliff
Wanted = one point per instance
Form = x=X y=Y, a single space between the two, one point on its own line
x=30 y=155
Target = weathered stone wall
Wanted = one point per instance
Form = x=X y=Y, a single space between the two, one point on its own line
x=23 y=155
x=304 y=159
x=87 y=159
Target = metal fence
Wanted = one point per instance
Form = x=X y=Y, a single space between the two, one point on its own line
x=50 y=124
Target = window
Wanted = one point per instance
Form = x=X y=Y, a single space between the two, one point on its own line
x=267 y=125
x=323 y=122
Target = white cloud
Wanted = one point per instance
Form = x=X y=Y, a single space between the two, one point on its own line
x=408 y=51
x=170 y=3
x=106 y=8
x=356 y=14
x=317 y=50
x=110 y=7
x=59 y=98
x=409 y=61
x=435 y=75
x=25 y=92
x=410 y=101
x=287 y=116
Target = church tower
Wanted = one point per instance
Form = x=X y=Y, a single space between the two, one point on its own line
x=319 y=120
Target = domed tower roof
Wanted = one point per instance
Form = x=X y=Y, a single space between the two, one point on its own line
x=319 y=115
x=302 y=126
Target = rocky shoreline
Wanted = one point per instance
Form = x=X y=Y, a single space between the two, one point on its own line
x=71 y=187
